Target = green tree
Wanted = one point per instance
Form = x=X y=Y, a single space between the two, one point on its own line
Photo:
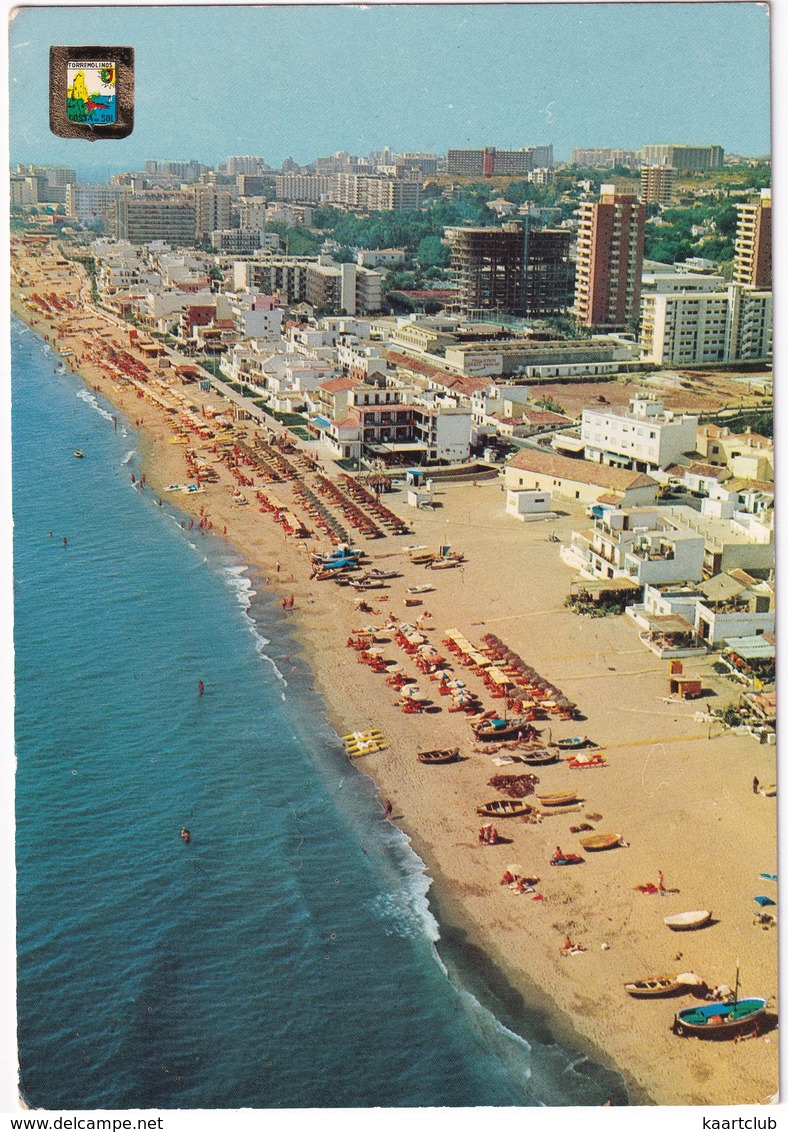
x=432 y=252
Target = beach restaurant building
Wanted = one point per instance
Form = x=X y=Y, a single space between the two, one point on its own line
x=581 y=480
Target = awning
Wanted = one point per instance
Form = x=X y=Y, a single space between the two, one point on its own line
x=672 y=623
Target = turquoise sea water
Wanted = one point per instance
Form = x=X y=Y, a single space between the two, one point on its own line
x=288 y=956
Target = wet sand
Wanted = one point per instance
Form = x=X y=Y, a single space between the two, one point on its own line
x=678 y=790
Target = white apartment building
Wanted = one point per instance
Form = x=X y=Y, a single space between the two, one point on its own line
x=379 y=257
x=244 y=240
x=253 y=212
x=641 y=544
x=258 y=316
x=281 y=275
x=749 y=329
x=669 y=281
x=89 y=202
x=683 y=328
x=644 y=437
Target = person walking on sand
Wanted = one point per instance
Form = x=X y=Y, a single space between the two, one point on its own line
x=661 y=882
x=755 y=785
x=389 y=809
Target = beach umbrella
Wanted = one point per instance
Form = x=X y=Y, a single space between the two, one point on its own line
x=764 y=901
x=413 y=693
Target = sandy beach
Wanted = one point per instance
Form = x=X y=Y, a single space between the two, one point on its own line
x=677 y=789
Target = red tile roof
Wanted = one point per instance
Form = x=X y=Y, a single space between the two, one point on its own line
x=708 y=471
x=340 y=384
x=581 y=471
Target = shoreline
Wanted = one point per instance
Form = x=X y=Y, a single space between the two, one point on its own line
x=441 y=829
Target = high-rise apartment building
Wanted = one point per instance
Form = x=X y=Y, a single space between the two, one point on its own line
x=549 y=271
x=311 y=188
x=245 y=164
x=354 y=190
x=254 y=185
x=657 y=183
x=749 y=329
x=684 y=158
x=606 y=158
x=752 y=263
x=212 y=208
x=142 y=218
x=337 y=288
x=88 y=203
x=684 y=328
x=492 y=162
x=489 y=267
x=609 y=260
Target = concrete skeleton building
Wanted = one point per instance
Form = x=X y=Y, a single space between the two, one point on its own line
x=549 y=271
x=489 y=268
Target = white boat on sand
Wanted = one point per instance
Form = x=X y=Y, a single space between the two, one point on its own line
x=687 y=921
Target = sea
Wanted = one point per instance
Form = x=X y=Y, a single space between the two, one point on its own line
x=289 y=955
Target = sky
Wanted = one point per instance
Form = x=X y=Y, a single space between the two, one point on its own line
x=304 y=81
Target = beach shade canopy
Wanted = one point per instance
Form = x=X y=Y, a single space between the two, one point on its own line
x=428 y=650
x=690 y=979
x=518 y=870
x=498 y=677
x=413 y=693
x=764 y=901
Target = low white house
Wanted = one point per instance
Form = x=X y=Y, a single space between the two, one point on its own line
x=529 y=505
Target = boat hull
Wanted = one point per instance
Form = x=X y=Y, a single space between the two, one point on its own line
x=503 y=809
x=599 y=841
x=687 y=921
x=654 y=988
x=438 y=757
x=719 y=1019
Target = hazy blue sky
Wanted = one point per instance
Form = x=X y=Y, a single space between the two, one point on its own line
x=304 y=81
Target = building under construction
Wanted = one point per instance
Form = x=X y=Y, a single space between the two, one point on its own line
x=489 y=268
x=549 y=272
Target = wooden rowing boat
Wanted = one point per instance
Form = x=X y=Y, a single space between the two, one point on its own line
x=502 y=729
x=504 y=808
x=447 y=755
x=719 y=1019
x=687 y=921
x=540 y=757
x=573 y=744
x=595 y=842
x=658 y=987
x=563 y=798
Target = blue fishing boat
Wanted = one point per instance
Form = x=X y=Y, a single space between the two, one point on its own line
x=576 y=743
x=719 y=1019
